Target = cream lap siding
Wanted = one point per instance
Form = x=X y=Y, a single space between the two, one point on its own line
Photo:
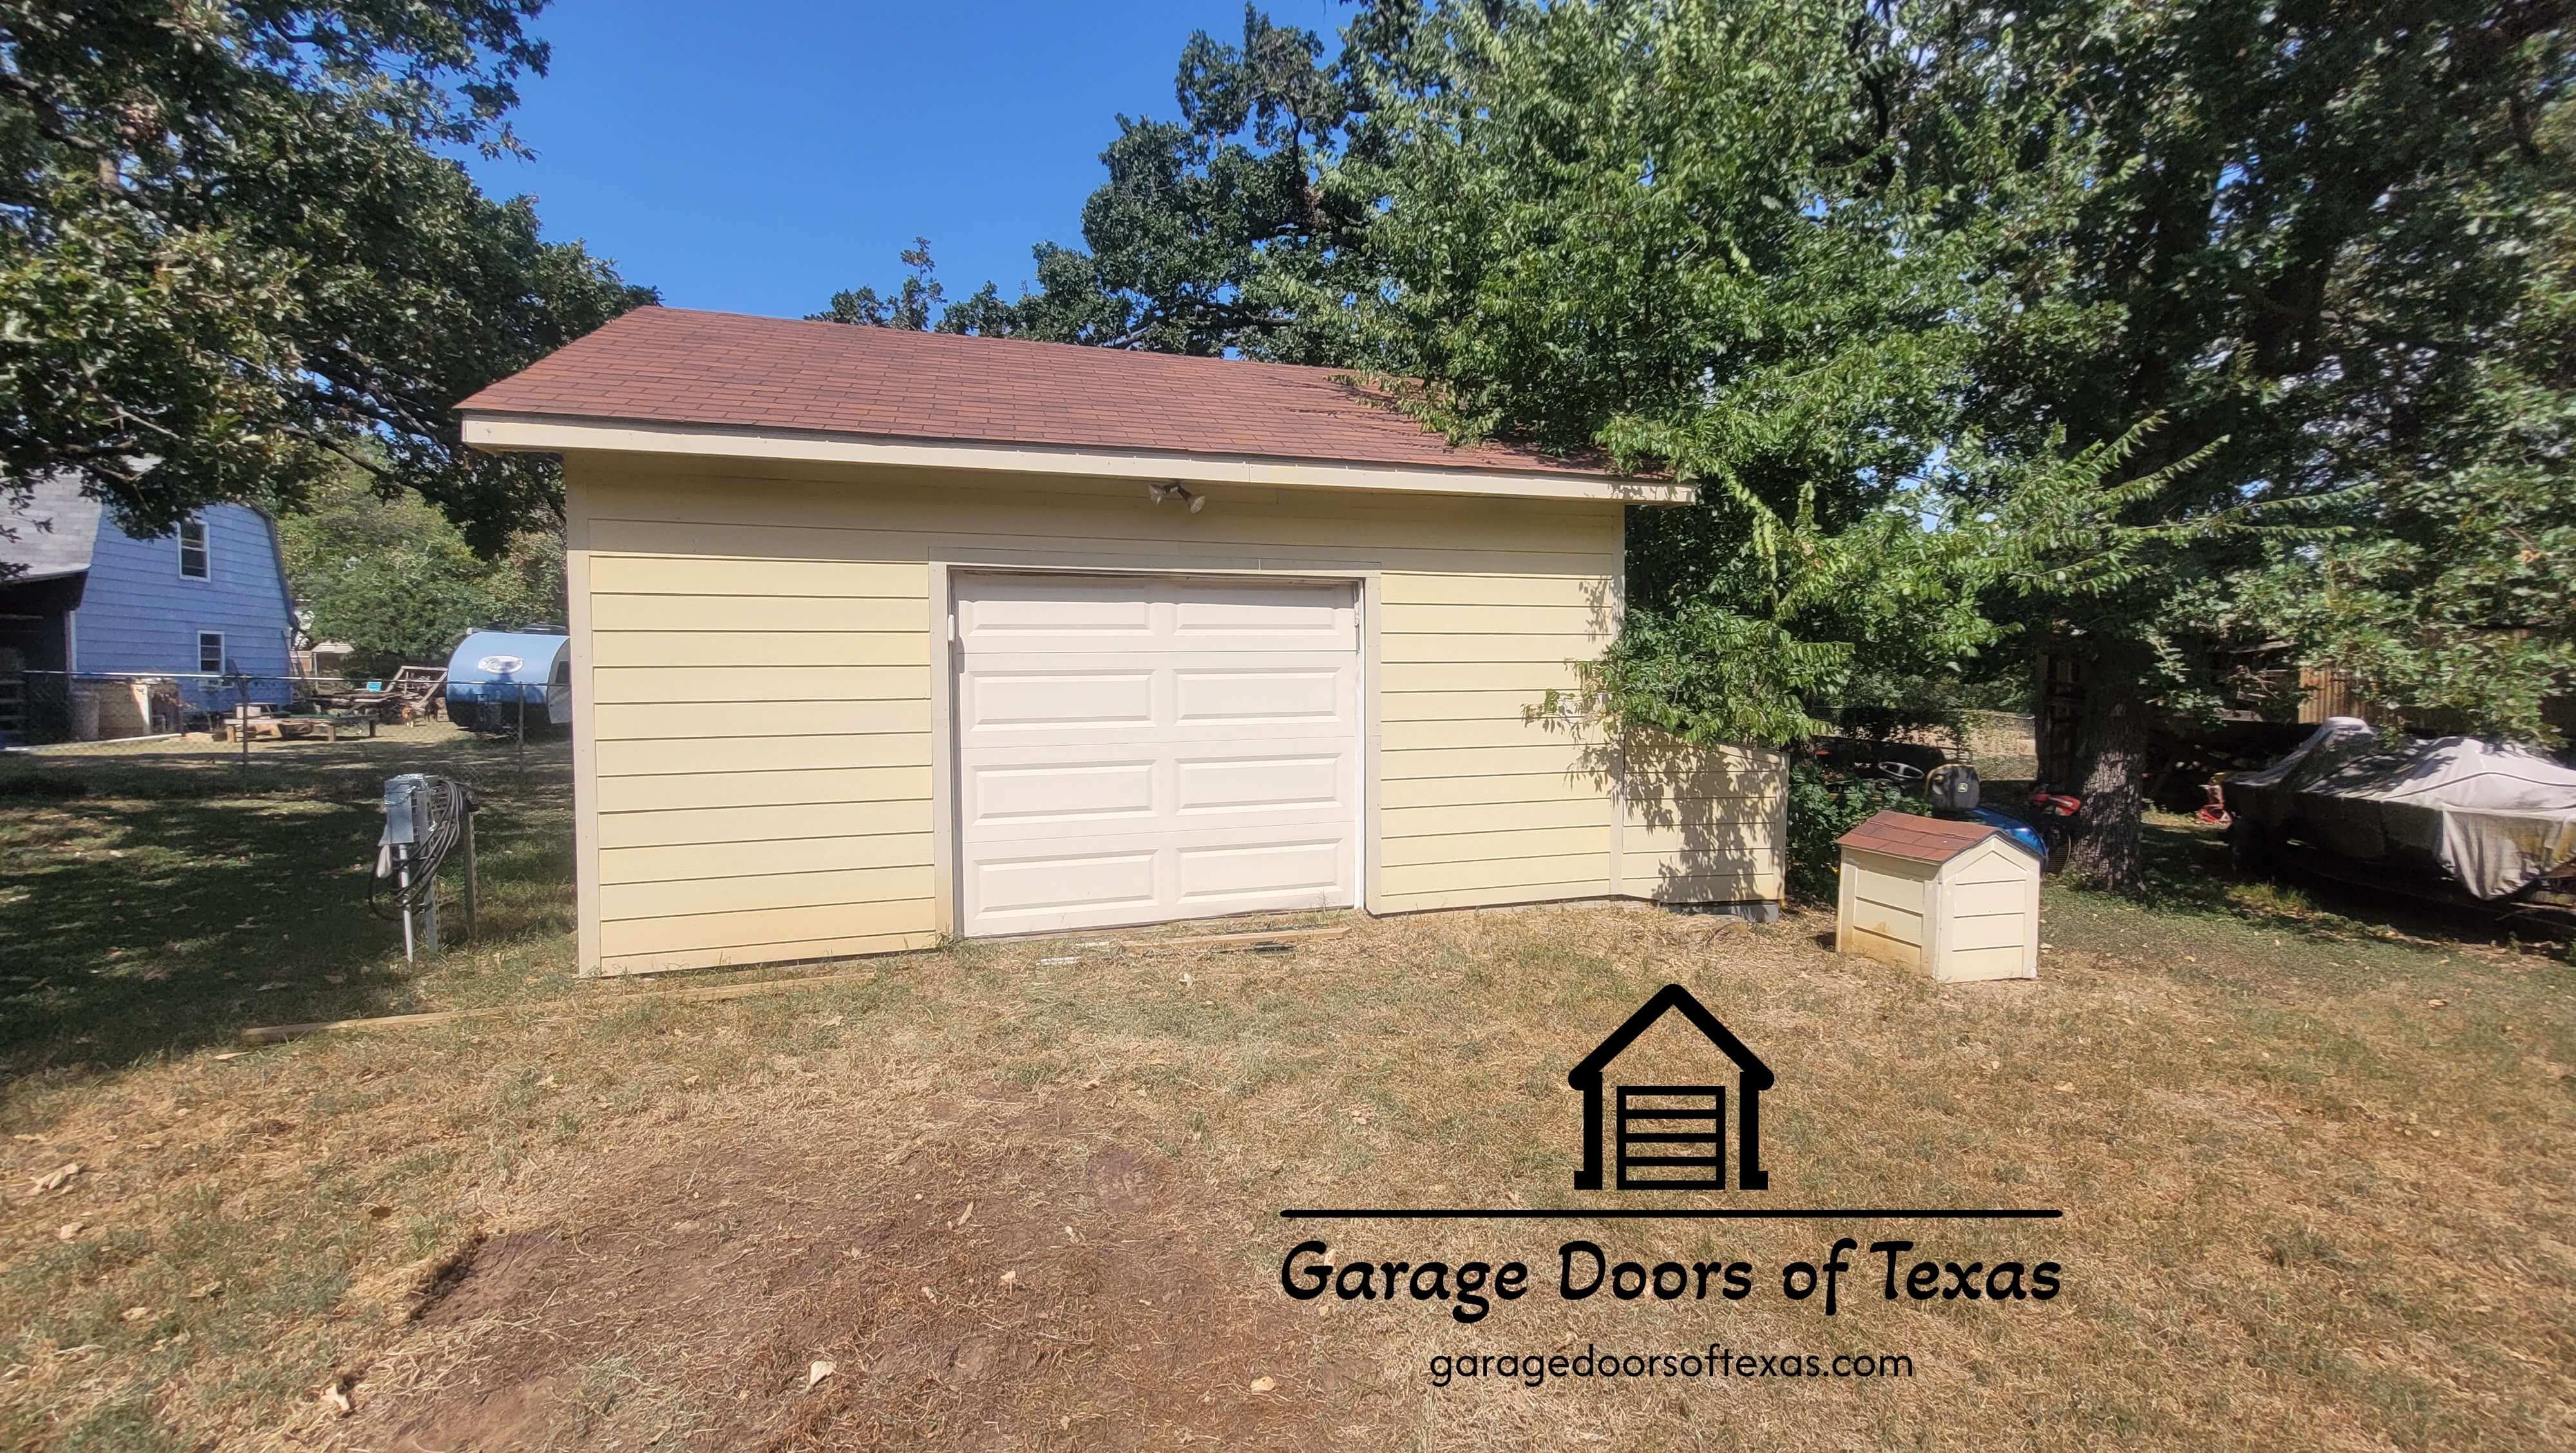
x=1702 y=825
x=757 y=657
x=1478 y=803
x=757 y=764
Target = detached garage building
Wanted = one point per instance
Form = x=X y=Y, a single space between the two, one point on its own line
x=882 y=636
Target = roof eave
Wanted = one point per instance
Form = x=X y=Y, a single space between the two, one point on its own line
x=498 y=432
x=37 y=577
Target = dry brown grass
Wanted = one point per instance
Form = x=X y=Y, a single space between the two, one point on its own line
x=2315 y=1173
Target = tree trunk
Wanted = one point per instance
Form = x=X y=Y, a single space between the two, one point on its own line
x=2048 y=737
x=2110 y=753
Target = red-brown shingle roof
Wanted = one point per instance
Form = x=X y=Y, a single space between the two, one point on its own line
x=1921 y=839
x=675 y=366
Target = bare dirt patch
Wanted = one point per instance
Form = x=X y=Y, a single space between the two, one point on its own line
x=1015 y=1277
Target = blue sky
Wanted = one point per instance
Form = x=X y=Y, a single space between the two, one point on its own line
x=757 y=155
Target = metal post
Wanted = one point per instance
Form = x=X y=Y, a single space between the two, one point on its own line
x=241 y=724
x=469 y=871
x=523 y=733
x=429 y=917
x=402 y=887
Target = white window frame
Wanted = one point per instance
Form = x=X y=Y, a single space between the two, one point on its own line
x=205 y=549
x=221 y=654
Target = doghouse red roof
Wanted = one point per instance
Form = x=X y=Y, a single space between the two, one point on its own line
x=1920 y=839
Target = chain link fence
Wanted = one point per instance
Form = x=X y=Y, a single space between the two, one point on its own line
x=2001 y=745
x=273 y=728
x=283 y=832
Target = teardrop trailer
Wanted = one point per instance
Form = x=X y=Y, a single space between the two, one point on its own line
x=497 y=679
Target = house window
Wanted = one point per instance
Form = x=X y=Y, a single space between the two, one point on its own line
x=192 y=548
x=210 y=652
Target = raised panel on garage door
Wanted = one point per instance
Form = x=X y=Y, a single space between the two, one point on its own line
x=1135 y=749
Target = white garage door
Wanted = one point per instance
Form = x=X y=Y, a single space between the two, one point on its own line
x=1135 y=749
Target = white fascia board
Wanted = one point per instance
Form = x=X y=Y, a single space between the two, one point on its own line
x=530 y=433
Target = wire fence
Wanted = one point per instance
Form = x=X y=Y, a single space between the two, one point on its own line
x=270 y=784
x=492 y=733
x=1999 y=744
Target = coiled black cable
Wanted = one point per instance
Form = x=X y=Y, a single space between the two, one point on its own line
x=446 y=803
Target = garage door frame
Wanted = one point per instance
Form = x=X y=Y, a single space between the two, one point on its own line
x=947 y=829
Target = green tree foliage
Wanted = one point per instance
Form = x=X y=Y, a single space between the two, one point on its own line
x=2444 y=583
x=1692 y=237
x=2121 y=330
x=1821 y=809
x=232 y=257
x=1227 y=231
x=921 y=303
x=2303 y=232
x=389 y=575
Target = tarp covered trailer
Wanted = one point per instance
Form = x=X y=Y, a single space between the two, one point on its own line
x=2448 y=818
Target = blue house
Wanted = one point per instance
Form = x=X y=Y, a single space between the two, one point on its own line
x=205 y=607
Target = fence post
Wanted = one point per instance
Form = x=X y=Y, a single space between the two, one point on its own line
x=241 y=724
x=470 y=891
x=522 y=764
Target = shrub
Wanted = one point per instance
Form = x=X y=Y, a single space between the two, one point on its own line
x=1822 y=807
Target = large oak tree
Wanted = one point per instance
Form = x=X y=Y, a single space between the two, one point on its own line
x=2115 y=333
x=237 y=251
x=2309 y=244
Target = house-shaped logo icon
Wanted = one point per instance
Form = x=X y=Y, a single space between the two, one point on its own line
x=1673 y=1137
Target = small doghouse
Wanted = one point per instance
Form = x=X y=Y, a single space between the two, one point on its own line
x=1959 y=899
